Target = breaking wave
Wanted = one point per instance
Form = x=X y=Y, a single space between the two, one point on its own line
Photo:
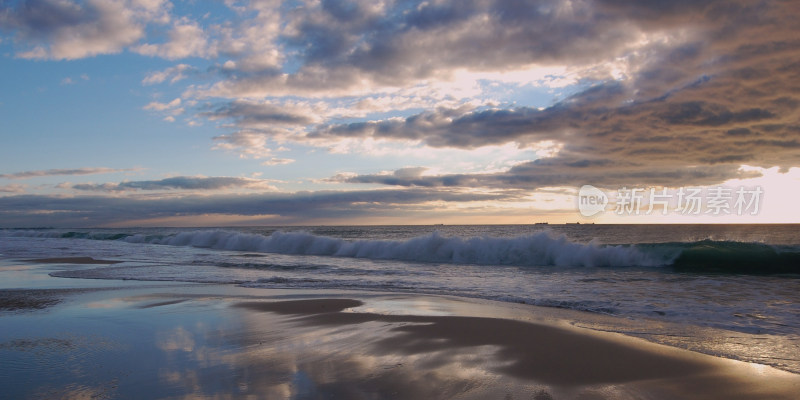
x=540 y=249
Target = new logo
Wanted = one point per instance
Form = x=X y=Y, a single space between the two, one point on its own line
x=591 y=200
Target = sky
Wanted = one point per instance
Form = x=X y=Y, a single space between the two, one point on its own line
x=221 y=113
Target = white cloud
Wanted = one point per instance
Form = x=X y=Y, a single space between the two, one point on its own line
x=253 y=42
x=247 y=144
x=168 y=110
x=186 y=39
x=277 y=161
x=173 y=74
x=156 y=106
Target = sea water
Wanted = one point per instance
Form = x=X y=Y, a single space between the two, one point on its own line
x=730 y=290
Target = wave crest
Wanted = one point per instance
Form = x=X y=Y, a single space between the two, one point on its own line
x=541 y=249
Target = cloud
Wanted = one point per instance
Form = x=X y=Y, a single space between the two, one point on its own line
x=688 y=112
x=69 y=81
x=561 y=173
x=260 y=124
x=28 y=210
x=181 y=183
x=63 y=29
x=253 y=42
x=659 y=92
x=186 y=39
x=173 y=74
x=253 y=114
x=593 y=123
x=53 y=172
x=606 y=140
x=168 y=110
x=409 y=176
x=277 y=161
x=247 y=143
x=156 y=106
x=13 y=188
x=397 y=43
x=680 y=92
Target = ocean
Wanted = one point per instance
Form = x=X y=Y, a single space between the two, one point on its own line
x=727 y=290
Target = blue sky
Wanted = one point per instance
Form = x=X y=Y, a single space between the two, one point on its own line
x=155 y=112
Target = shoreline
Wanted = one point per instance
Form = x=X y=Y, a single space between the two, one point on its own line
x=177 y=339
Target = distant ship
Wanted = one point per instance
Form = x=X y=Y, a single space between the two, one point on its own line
x=541 y=223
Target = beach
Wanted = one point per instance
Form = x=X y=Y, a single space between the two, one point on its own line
x=78 y=338
x=545 y=199
x=400 y=199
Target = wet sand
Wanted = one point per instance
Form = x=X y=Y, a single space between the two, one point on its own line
x=554 y=359
x=221 y=341
x=72 y=260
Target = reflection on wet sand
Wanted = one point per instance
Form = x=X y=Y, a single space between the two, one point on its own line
x=563 y=360
x=546 y=354
x=228 y=342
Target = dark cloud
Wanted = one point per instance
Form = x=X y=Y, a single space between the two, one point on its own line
x=179 y=183
x=41 y=18
x=64 y=29
x=398 y=43
x=401 y=43
x=715 y=87
x=30 y=210
x=557 y=172
x=690 y=114
x=52 y=172
x=698 y=113
x=253 y=114
x=411 y=176
x=653 y=142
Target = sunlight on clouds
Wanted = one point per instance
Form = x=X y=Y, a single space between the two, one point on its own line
x=780 y=199
x=448 y=160
x=546 y=148
x=536 y=75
